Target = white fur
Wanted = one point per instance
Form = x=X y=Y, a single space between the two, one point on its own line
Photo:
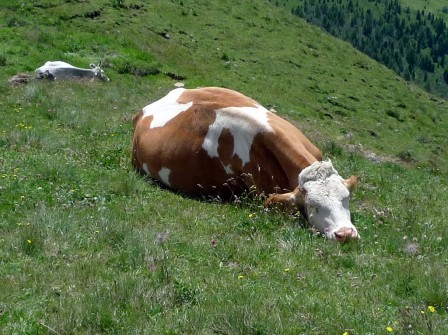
x=164 y=175
x=63 y=70
x=317 y=171
x=327 y=198
x=228 y=169
x=244 y=123
x=165 y=109
x=146 y=169
x=54 y=65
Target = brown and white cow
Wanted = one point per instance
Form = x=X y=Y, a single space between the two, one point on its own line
x=215 y=141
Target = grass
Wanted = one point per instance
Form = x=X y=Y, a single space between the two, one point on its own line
x=438 y=7
x=87 y=246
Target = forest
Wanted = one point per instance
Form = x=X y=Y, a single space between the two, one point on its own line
x=412 y=43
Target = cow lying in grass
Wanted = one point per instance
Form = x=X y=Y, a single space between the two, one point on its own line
x=61 y=70
x=215 y=141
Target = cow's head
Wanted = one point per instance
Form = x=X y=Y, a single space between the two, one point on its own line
x=98 y=72
x=325 y=197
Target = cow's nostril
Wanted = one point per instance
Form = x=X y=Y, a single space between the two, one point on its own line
x=345 y=234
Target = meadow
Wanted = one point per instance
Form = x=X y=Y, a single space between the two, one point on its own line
x=87 y=246
x=438 y=7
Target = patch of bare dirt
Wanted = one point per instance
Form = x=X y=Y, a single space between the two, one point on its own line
x=370 y=155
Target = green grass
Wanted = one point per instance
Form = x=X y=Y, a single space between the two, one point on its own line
x=437 y=7
x=87 y=246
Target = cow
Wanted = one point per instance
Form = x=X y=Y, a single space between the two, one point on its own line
x=217 y=142
x=56 y=70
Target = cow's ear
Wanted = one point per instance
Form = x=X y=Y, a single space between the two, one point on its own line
x=92 y=66
x=291 y=201
x=299 y=196
x=351 y=183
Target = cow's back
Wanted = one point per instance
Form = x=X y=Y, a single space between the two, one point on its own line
x=215 y=141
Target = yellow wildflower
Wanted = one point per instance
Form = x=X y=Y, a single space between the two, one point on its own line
x=286 y=270
x=389 y=329
x=240 y=277
x=251 y=215
x=28 y=241
x=432 y=309
x=345 y=333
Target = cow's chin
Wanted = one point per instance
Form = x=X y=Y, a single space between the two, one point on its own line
x=343 y=234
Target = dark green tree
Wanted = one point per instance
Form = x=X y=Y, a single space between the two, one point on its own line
x=445 y=75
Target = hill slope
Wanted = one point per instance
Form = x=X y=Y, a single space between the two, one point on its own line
x=278 y=60
x=412 y=43
x=87 y=246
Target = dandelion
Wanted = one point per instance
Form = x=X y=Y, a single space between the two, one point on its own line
x=240 y=277
x=286 y=270
x=162 y=237
x=432 y=309
x=345 y=333
x=28 y=241
x=22 y=197
x=251 y=215
x=422 y=312
x=412 y=249
x=389 y=329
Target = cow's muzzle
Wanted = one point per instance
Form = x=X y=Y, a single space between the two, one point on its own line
x=346 y=234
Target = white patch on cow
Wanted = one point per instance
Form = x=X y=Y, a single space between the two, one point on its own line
x=146 y=169
x=164 y=175
x=243 y=123
x=228 y=169
x=327 y=198
x=56 y=64
x=165 y=109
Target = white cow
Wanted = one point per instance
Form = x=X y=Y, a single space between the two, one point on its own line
x=61 y=70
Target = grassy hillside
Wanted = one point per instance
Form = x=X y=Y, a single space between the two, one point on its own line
x=87 y=246
x=438 y=7
x=413 y=43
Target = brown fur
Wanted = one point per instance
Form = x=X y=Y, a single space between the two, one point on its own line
x=276 y=159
